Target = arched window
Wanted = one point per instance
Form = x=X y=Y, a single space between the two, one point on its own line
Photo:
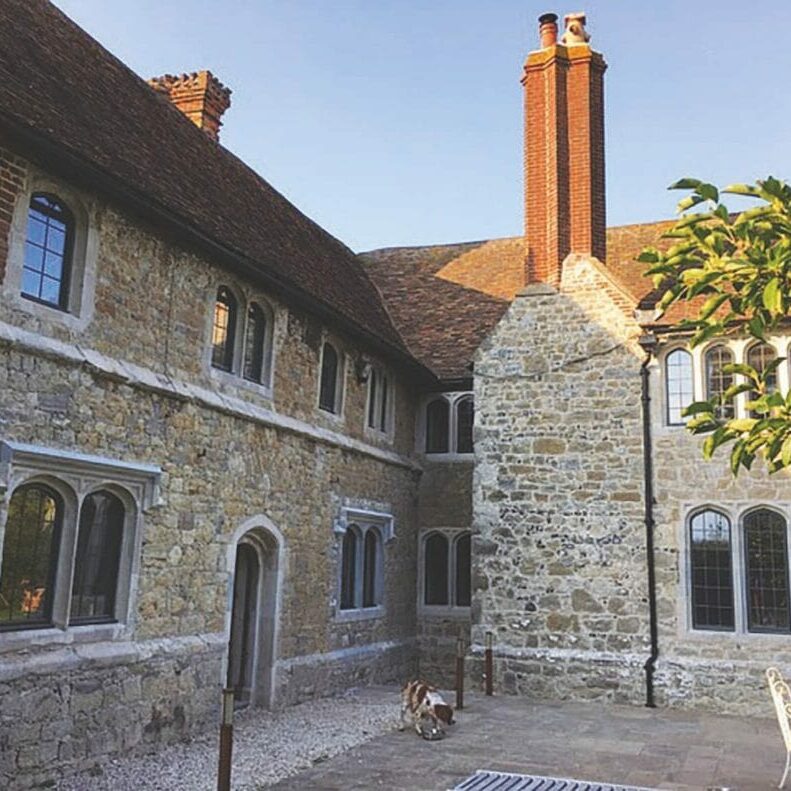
x=717 y=380
x=328 y=386
x=711 y=571
x=759 y=356
x=254 y=344
x=349 y=569
x=48 y=250
x=97 y=560
x=436 y=570
x=379 y=400
x=224 y=329
x=463 y=571
x=678 y=379
x=464 y=422
x=370 y=582
x=766 y=565
x=437 y=426
x=30 y=557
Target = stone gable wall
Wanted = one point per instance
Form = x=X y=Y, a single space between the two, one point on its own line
x=559 y=567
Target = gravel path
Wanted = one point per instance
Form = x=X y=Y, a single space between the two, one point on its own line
x=268 y=746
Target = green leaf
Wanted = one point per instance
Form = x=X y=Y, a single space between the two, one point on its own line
x=741 y=189
x=685 y=184
x=773 y=296
x=785 y=453
x=697 y=407
x=741 y=424
x=709 y=192
x=688 y=203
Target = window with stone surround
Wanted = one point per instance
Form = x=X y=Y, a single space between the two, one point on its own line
x=739 y=579
x=447 y=424
x=717 y=379
x=379 y=408
x=69 y=540
x=52 y=252
x=679 y=385
x=241 y=337
x=363 y=535
x=445 y=582
x=331 y=380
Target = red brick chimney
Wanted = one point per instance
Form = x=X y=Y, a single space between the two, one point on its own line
x=564 y=149
x=200 y=96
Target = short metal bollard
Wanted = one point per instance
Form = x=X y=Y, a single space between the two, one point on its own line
x=226 y=742
x=488 y=668
x=460 y=673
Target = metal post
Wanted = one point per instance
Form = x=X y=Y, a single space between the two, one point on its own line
x=487 y=664
x=226 y=742
x=460 y=673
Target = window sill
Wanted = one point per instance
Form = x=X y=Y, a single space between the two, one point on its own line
x=53 y=635
x=360 y=614
x=233 y=380
x=448 y=457
x=443 y=611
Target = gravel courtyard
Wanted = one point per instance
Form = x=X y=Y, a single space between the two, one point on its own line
x=268 y=746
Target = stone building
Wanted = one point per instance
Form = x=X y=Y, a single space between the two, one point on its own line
x=233 y=452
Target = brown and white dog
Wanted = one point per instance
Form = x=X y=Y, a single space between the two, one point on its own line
x=422 y=701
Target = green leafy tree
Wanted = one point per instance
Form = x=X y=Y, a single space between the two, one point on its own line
x=734 y=270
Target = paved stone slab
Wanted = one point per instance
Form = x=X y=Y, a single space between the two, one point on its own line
x=629 y=746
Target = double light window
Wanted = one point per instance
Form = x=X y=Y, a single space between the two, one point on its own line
x=445 y=574
x=361 y=567
x=44 y=578
x=241 y=337
x=739 y=581
x=448 y=423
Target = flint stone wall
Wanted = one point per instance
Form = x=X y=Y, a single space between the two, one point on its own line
x=559 y=565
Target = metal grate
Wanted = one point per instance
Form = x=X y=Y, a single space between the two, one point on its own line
x=501 y=781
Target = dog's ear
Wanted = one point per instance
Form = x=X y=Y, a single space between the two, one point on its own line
x=444 y=713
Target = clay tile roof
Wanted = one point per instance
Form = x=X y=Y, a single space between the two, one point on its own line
x=65 y=95
x=442 y=322
x=445 y=299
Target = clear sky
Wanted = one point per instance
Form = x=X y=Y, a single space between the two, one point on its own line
x=396 y=122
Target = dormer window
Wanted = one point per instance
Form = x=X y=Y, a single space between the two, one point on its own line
x=48 y=250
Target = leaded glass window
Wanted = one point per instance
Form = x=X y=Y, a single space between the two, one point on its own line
x=711 y=571
x=717 y=380
x=254 y=344
x=30 y=555
x=328 y=386
x=759 y=356
x=348 y=569
x=98 y=556
x=437 y=426
x=436 y=570
x=369 y=568
x=48 y=250
x=766 y=557
x=464 y=421
x=463 y=571
x=678 y=378
x=373 y=392
x=224 y=329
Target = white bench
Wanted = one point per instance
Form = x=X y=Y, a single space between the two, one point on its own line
x=781 y=695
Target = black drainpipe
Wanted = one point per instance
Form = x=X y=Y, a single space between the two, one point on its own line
x=648 y=343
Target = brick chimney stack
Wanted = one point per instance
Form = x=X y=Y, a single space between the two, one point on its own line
x=200 y=96
x=564 y=149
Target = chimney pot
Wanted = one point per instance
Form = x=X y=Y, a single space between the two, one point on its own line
x=548 y=30
x=199 y=95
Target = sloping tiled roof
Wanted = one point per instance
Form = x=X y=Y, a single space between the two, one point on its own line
x=442 y=322
x=445 y=299
x=61 y=92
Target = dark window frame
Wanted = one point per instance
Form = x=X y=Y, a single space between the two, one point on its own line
x=451 y=539
x=716 y=381
x=330 y=391
x=691 y=380
x=254 y=367
x=67 y=218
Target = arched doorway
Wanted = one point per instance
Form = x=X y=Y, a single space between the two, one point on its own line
x=253 y=617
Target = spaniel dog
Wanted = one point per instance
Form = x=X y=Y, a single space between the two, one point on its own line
x=422 y=702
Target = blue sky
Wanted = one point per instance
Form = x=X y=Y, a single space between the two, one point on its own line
x=395 y=122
